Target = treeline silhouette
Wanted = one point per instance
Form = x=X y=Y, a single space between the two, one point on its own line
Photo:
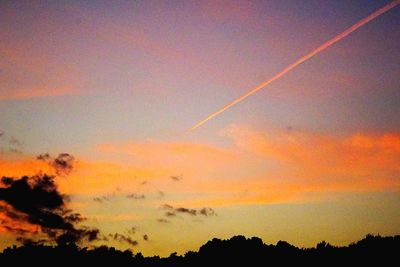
x=237 y=251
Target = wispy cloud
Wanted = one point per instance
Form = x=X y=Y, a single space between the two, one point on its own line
x=291 y=169
x=124 y=239
x=101 y=199
x=356 y=154
x=63 y=164
x=10 y=144
x=136 y=196
x=162 y=220
x=30 y=93
x=176 y=178
x=171 y=211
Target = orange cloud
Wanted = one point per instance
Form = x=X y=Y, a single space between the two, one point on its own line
x=268 y=167
x=148 y=160
x=258 y=167
x=16 y=226
x=17 y=167
x=35 y=92
x=322 y=162
x=300 y=166
x=174 y=156
x=98 y=177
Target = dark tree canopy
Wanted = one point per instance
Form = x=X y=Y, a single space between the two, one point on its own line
x=237 y=251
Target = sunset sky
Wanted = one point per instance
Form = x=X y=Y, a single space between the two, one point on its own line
x=117 y=84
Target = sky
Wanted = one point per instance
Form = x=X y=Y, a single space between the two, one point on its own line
x=116 y=84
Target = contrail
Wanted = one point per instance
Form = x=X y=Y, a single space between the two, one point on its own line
x=306 y=57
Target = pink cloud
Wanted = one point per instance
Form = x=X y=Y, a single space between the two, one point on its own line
x=35 y=92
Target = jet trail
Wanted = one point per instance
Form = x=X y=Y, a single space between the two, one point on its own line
x=306 y=57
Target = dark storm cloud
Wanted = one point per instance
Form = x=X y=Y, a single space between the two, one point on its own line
x=124 y=239
x=101 y=199
x=108 y=197
x=63 y=164
x=162 y=220
x=145 y=237
x=98 y=199
x=188 y=211
x=167 y=207
x=113 y=195
x=132 y=230
x=73 y=217
x=36 y=200
x=171 y=211
x=136 y=196
x=43 y=157
x=176 y=178
x=170 y=214
x=207 y=212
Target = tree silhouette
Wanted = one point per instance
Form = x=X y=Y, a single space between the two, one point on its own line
x=235 y=251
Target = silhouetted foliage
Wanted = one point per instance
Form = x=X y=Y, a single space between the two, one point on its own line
x=237 y=251
x=36 y=200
